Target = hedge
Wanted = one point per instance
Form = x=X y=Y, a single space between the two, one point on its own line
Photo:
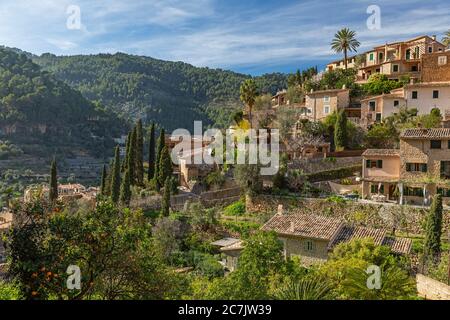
x=333 y=174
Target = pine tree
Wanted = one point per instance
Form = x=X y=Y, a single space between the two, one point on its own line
x=433 y=230
x=53 y=190
x=139 y=154
x=160 y=146
x=151 y=153
x=340 y=131
x=165 y=166
x=131 y=163
x=115 y=177
x=125 y=189
x=103 y=181
x=165 y=205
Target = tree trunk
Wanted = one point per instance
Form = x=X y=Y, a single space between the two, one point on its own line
x=345 y=58
x=248 y=202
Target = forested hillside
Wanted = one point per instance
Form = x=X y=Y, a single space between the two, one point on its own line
x=173 y=94
x=43 y=115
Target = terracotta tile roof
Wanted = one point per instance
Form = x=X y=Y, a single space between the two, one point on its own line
x=348 y=233
x=381 y=152
x=308 y=226
x=428 y=84
x=386 y=95
x=398 y=245
x=330 y=91
x=421 y=133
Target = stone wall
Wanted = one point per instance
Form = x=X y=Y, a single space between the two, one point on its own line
x=431 y=289
x=431 y=71
x=295 y=246
x=407 y=219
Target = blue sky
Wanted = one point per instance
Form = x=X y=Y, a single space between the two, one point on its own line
x=249 y=36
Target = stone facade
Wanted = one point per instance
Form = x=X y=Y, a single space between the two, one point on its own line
x=436 y=67
x=310 y=251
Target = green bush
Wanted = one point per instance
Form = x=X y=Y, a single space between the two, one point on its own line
x=235 y=209
x=333 y=174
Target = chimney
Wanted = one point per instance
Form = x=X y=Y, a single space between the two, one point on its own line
x=411 y=81
x=312 y=90
x=344 y=86
x=433 y=37
x=280 y=210
x=292 y=227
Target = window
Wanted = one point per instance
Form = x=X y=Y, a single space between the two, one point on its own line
x=374 y=164
x=372 y=105
x=416 y=53
x=445 y=169
x=380 y=56
x=326 y=109
x=435 y=144
x=414 y=69
x=435 y=94
x=395 y=68
x=448 y=146
x=309 y=245
x=430 y=49
x=326 y=99
x=413 y=192
x=375 y=188
x=408 y=54
x=444 y=192
x=371 y=57
x=442 y=60
x=414 y=95
x=378 y=117
x=416 y=167
x=396 y=103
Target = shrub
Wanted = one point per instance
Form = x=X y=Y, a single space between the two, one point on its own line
x=235 y=209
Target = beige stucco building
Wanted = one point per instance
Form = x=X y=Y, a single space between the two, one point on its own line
x=412 y=174
x=320 y=104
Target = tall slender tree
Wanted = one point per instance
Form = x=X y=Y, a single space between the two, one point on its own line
x=248 y=93
x=340 y=131
x=53 y=190
x=151 y=153
x=165 y=166
x=127 y=152
x=433 y=230
x=109 y=178
x=165 y=204
x=344 y=41
x=103 y=181
x=139 y=154
x=125 y=189
x=131 y=163
x=160 y=146
x=115 y=177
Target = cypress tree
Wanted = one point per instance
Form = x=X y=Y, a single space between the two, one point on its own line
x=165 y=205
x=340 y=131
x=127 y=152
x=160 y=146
x=131 y=163
x=139 y=154
x=125 y=189
x=115 y=177
x=151 y=153
x=433 y=230
x=165 y=166
x=53 y=188
x=103 y=181
x=109 y=178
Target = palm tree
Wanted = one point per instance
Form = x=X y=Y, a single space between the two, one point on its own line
x=248 y=96
x=344 y=41
x=310 y=288
x=446 y=38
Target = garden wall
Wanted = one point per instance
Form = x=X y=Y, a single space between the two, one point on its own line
x=431 y=289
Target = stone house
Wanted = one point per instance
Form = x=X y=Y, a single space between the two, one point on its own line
x=313 y=237
x=436 y=67
x=412 y=174
x=397 y=59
